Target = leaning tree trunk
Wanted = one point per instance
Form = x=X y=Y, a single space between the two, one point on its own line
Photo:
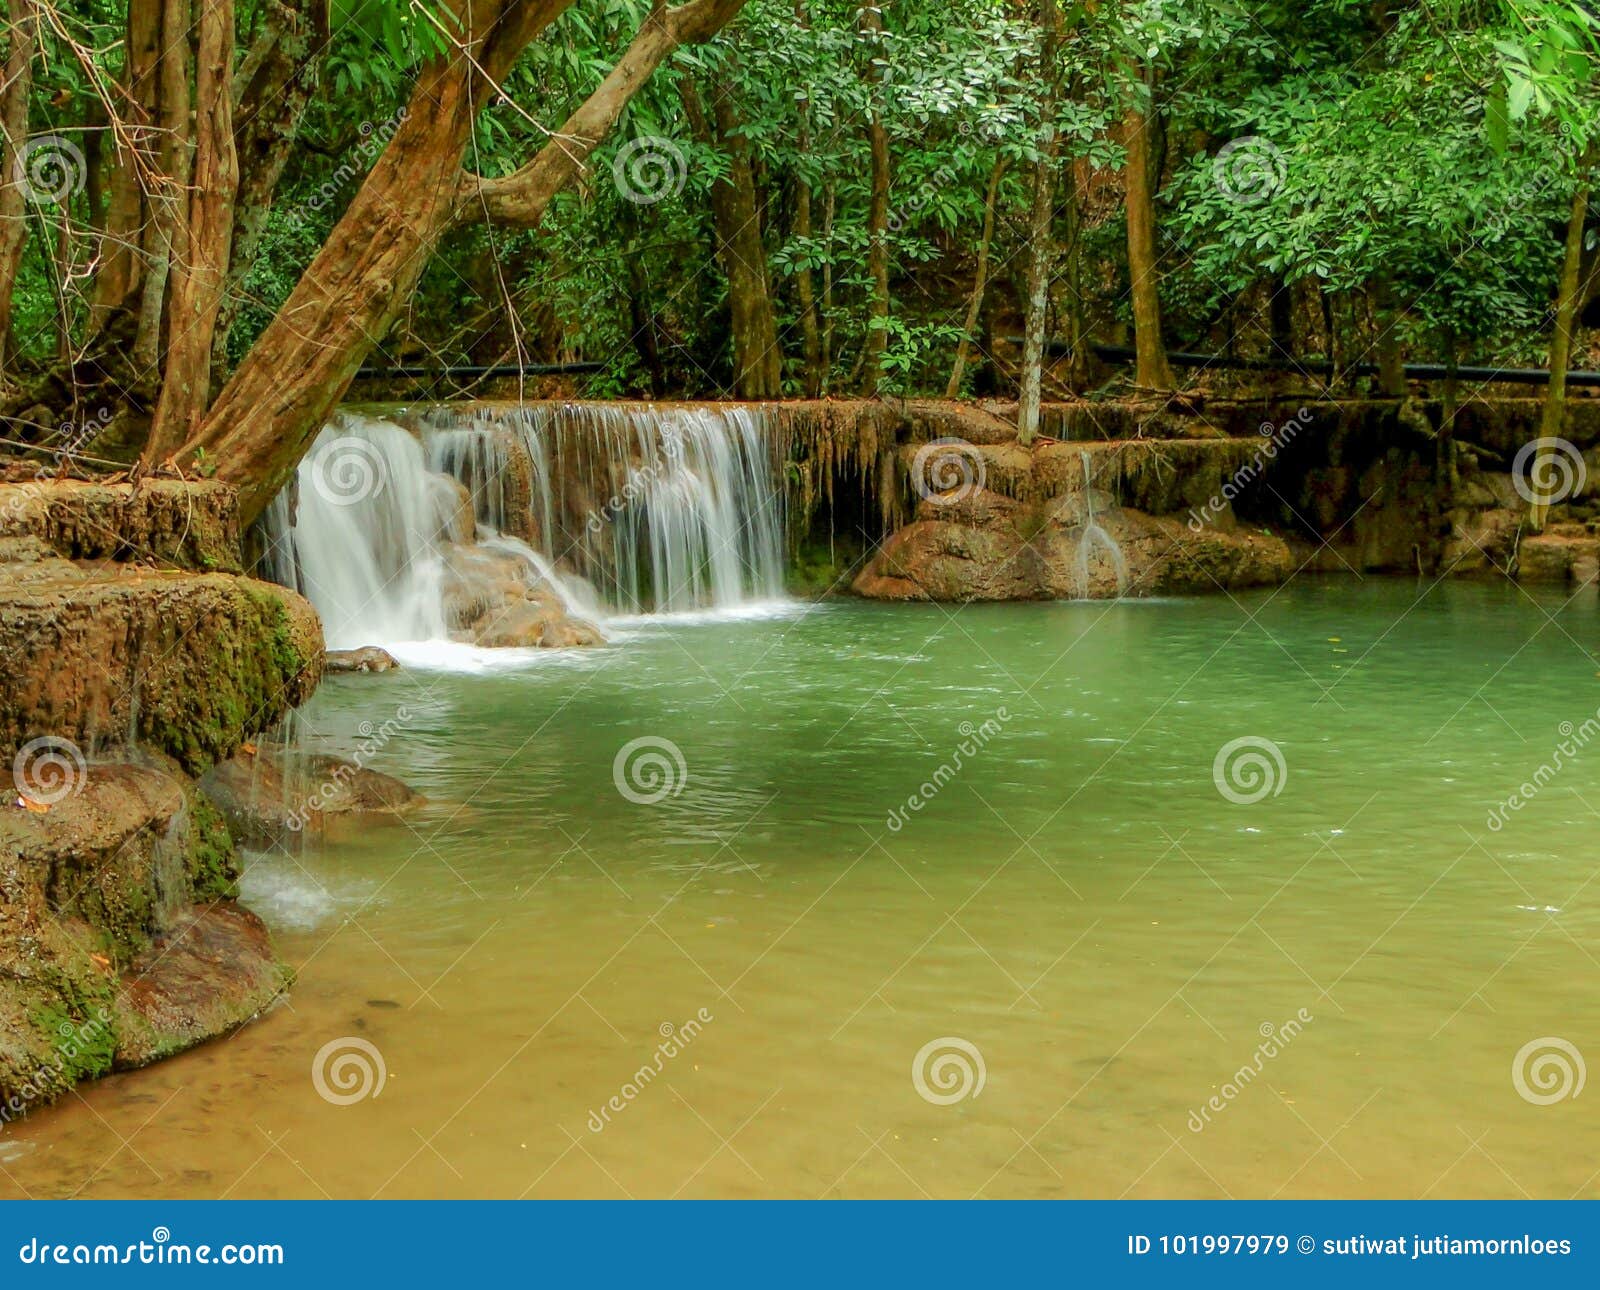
x=272 y=90
x=757 y=358
x=1151 y=368
x=1553 y=419
x=21 y=27
x=359 y=283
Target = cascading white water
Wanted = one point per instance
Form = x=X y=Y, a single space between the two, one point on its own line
x=662 y=510
x=365 y=537
x=1094 y=532
x=619 y=510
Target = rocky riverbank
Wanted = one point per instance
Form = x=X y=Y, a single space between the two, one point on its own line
x=937 y=500
x=138 y=656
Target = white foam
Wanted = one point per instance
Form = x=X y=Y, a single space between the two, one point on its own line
x=289 y=896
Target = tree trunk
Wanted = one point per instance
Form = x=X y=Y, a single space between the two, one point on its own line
x=121 y=272
x=1151 y=369
x=205 y=239
x=167 y=197
x=21 y=28
x=361 y=280
x=1041 y=240
x=273 y=88
x=829 y=206
x=1553 y=418
x=1391 y=362
x=980 y=280
x=877 y=337
x=757 y=359
x=805 y=286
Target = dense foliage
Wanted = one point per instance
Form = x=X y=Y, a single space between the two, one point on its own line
x=1330 y=175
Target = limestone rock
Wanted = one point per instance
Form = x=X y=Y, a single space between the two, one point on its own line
x=269 y=794
x=191 y=664
x=369 y=658
x=119 y=938
x=494 y=597
x=990 y=547
x=191 y=525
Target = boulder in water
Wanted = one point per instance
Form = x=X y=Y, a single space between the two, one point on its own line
x=268 y=795
x=987 y=546
x=369 y=658
x=494 y=596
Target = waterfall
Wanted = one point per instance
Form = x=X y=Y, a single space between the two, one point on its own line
x=1093 y=532
x=365 y=535
x=615 y=510
x=661 y=510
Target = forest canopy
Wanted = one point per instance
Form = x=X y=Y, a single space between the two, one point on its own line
x=217 y=212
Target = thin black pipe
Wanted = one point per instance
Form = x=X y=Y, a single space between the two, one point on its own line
x=1321 y=367
x=476 y=372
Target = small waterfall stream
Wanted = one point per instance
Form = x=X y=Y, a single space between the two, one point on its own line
x=1094 y=532
x=616 y=511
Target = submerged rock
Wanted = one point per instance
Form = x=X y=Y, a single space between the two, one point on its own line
x=268 y=795
x=369 y=658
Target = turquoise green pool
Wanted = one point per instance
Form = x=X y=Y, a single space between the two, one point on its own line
x=929 y=901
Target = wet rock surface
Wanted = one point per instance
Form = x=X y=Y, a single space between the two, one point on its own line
x=136 y=656
x=369 y=658
x=494 y=598
x=270 y=794
x=990 y=547
x=189 y=664
x=120 y=940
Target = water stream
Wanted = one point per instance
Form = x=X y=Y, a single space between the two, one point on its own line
x=1079 y=902
x=626 y=512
